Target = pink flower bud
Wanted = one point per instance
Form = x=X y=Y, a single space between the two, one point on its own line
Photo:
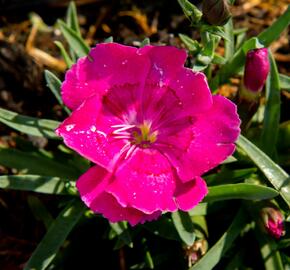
x=273 y=221
x=256 y=69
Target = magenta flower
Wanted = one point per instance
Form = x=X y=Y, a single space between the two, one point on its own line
x=256 y=69
x=151 y=126
x=273 y=221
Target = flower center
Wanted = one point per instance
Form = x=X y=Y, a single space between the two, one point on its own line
x=143 y=136
x=140 y=135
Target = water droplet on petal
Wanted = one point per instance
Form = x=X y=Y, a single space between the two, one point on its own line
x=93 y=128
x=69 y=127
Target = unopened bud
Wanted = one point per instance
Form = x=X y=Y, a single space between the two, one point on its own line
x=216 y=12
x=256 y=69
x=273 y=221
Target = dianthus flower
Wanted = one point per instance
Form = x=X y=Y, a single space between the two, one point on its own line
x=149 y=124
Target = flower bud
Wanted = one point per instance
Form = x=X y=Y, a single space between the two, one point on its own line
x=273 y=221
x=216 y=12
x=256 y=69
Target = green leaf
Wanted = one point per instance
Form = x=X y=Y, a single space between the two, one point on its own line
x=274 y=173
x=56 y=235
x=124 y=237
x=163 y=227
x=273 y=32
x=145 y=42
x=54 y=84
x=239 y=191
x=269 y=251
x=199 y=210
x=217 y=59
x=35 y=183
x=216 y=252
x=190 y=11
x=229 y=41
x=284 y=82
x=39 y=211
x=72 y=18
x=215 y=30
x=64 y=54
x=191 y=45
x=272 y=111
x=108 y=40
x=184 y=227
x=149 y=260
x=36 y=164
x=29 y=125
x=77 y=44
x=228 y=176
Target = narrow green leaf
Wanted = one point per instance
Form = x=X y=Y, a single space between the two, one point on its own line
x=216 y=252
x=237 y=261
x=190 y=11
x=272 y=111
x=274 y=173
x=199 y=210
x=228 y=176
x=184 y=227
x=191 y=45
x=273 y=32
x=64 y=54
x=284 y=82
x=215 y=30
x=56 y=235
x=163 y=227
x=269 y=251
x=75 y=42
x=145 y=42
x=229 y=42
x=149 y=260
x=36 y=164
x=240 y=39
x=35 y=183
x=29 y=125
x=109 y=40
x=39 y=211
x=124 y=237
x=54 y=84
x=239 y=191
x=217 y=59
x=72 y=18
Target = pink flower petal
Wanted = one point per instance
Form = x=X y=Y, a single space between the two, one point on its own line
x=206 y=143
x=107 y=65
x=145 y=181
x=165 y=62
x=192 y=90
x=190 y=194
x=108 y=206
x=91 y=186
x=88 y=131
